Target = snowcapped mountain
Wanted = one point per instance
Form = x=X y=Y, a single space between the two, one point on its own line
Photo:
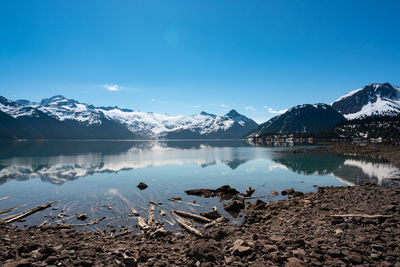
x=301 y=119
x=15 y=110
x=373 y=99
x=139 y=124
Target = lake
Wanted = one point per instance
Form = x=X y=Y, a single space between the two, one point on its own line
x=101 y=178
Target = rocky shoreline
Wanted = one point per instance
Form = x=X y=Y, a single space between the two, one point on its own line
x=335 y=226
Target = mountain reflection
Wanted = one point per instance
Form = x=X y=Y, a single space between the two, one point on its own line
x=349 y=169
x=58 y=162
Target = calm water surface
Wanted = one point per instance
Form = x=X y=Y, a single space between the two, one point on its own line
x=90 y=177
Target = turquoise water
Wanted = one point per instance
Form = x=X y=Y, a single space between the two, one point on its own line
x=95 y=177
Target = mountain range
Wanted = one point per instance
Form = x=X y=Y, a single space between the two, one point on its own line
x=59 y=118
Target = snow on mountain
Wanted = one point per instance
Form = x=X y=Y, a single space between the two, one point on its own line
x=160 y=124
x=381 y=106
x=15 y=110
x=141 y=123
x=68 y=109
x=373 y=99
x=347 y=95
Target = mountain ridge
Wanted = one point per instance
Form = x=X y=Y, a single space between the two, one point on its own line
x=374 y=99
x=149 y=125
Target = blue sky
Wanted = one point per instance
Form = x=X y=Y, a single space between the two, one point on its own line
x=182 y=57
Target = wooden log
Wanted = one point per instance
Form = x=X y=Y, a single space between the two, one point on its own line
x=43 y=223
x=252 y=197
x=16 y=217
x=195 y=217
x=8 y=210
x=150 y=217
x=99 y=231
x=169 y=222
x=142 y=224
x=215 y=222
x=179 y=201
x=188 y=228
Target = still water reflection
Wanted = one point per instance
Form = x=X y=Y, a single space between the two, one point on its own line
x=89 y=177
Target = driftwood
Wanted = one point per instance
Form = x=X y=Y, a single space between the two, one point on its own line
x=150 y=217
x=252 y=197
x=100 y=232
x=16 y=217
x=8 y=210
x=43 y=223
x=179 y=201
x=82 y=224
x=195 y=217
x=142 y=224
x=188 y=228
x=361 y=215
x=215 y=222
x=128 y=203
x=169 y=222
x=156 y=203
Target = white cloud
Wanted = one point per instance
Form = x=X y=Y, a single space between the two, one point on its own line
x=196 y=106
x=153 y=100
x=113 y=88
x=250 y=108
x=223 y=105
x=272 y=111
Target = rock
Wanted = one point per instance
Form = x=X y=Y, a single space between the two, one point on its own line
x=219 y=235
x=212 y=215
x=142 y=186
x=269 y=248
x=288 y=192
x=235 y=205
x=241 y=248
x=338 y=231
x=249 y=192
x=355 y=257
x=224 y=192
x=378 y=247
x=81 y=216
x=294 y=262
x=128 y=260
x=229 y=260
x=298 y=194
x=335 y=253
x=204 y=251
x=227 y=190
